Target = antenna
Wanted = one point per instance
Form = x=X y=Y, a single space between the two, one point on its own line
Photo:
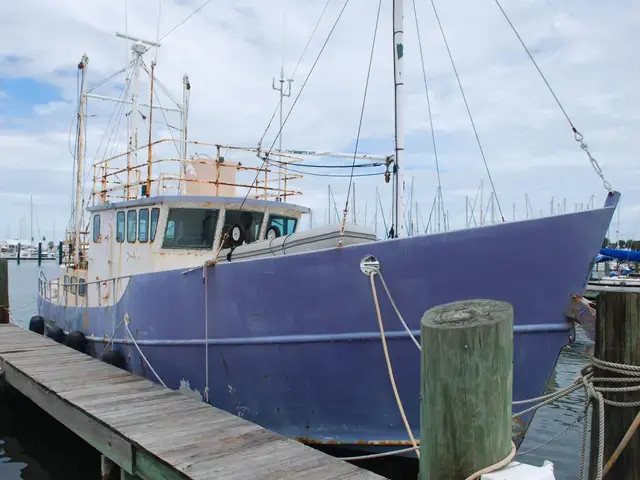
x=136 y=39
x=284 y=92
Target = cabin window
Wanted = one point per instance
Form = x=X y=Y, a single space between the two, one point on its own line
x=250 y=223
x=143 y=225
x=96 y=228
x=66 y=283
x=131 y=226
x=82 y=287
x=155 y=214
x=120 y=227
x=190 y=228
x=279 y=226
x=73 y=281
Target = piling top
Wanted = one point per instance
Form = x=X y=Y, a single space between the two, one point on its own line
x=467 y=313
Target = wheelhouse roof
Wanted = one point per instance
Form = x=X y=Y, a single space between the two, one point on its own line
x=251 y=203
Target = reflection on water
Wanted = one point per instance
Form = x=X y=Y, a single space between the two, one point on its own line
x=564 y=452
x=34 y=446
x=37 y=447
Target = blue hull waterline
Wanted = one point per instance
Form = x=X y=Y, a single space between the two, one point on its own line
x=292 y=342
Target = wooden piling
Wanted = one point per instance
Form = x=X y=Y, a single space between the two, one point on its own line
x=109 y=470
x=18 y=256
x=4 y=291
x=618 y=341
x=60 y=253
x=39 y=253
x=467 y=370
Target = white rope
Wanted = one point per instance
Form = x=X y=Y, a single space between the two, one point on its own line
x=586 y=380
x=496 y=466
x=111 y=339
x=593 y=394
x=393 y=304
x=389 y=367
x=380 y=455
x=562 y=432
x=126 y=326
x=13 y=320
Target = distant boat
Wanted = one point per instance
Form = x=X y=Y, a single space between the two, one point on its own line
x=230 y=302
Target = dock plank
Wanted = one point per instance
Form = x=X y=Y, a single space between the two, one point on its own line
x=150 y=431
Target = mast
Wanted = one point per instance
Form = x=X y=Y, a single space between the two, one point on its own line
x=186 y=91
x=353 y=213
x=82 y=66
x=438 y=204
x=284 y=92
x=398 y=54
x=481 y=203
x=31 y=219
x=149 y=150
x=466 y=211
x=375 y=215
x=138 y=49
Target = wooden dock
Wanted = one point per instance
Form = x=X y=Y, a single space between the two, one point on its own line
x=150 y=431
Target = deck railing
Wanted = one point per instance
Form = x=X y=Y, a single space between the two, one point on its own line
x=139 y=179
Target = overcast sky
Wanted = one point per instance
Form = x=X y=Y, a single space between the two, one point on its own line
x=232 y=49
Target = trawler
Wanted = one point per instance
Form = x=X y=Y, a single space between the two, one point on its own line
x=207 y=283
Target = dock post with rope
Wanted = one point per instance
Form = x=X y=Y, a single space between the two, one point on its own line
x=466 y=388
x=4 y=291
x=617 y=342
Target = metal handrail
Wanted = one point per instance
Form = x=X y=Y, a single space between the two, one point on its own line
x=86 y=283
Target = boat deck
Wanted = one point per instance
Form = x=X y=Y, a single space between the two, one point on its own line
x=150 y=431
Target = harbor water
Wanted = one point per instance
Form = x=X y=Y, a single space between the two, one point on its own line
x=34 y=446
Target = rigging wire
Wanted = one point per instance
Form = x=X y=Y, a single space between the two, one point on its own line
x=535 y=64
x=426 y=90
x=295 y=101
x=185 y=19
x=158 y=30
x=110 y=77
x=116 y=126
x=466 y=103
x=122 y=94
x=364 y=102
x=126 y=32
x=334 y=175
x=164 y=115
x=576 y=134
x=304 y=51
x=384 y=218
x=312 y=165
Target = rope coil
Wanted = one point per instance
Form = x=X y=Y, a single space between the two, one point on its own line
x=587 y=381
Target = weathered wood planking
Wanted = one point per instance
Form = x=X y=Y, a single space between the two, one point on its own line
x=151 y=431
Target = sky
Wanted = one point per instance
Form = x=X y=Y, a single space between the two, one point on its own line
x=231 y=50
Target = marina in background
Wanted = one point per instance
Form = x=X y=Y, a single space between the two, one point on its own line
x=195 y=321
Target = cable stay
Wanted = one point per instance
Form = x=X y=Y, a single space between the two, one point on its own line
x=466 y=103
x=431 y=127
x=364 y=102
x=265 y=156
x=576 y=134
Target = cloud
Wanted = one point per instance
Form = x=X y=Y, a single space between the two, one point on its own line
x=232 y=49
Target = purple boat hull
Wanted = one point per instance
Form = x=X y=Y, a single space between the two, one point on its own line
x=292 y=342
